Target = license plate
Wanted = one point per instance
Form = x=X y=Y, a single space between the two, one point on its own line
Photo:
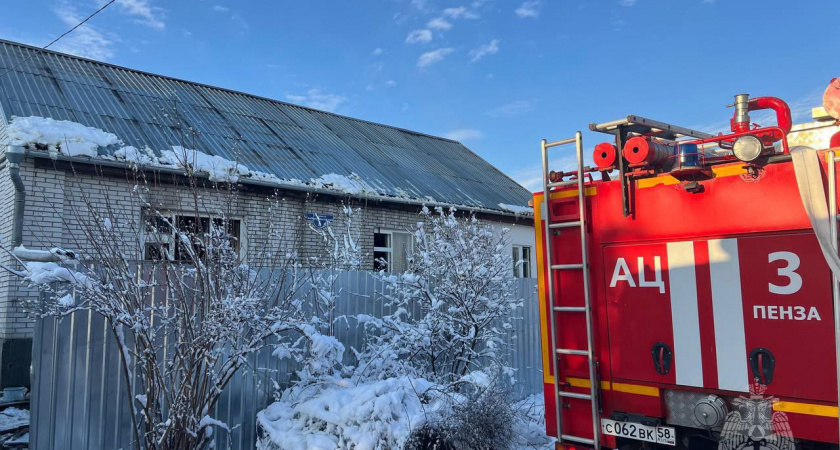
x=632 y=430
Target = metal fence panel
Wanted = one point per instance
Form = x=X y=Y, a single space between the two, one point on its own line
x=78 y=388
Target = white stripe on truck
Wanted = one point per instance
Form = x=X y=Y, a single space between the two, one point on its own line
x=730 y=340
x=688 y=360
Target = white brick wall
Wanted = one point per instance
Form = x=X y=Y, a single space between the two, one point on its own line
x=56 y=207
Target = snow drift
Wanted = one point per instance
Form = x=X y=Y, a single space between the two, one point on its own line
x=378 y=415
x=373 y=416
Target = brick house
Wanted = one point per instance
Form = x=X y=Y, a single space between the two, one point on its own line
x=389 y=172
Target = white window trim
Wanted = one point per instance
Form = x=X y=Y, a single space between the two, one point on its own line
x=390 y=250
x=518 y=269
x=169 y=238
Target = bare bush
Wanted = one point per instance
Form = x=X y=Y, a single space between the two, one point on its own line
x=482 y=420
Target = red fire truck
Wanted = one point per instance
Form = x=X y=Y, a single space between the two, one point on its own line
x=686 y=296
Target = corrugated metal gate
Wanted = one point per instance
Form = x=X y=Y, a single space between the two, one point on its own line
x=78 y=388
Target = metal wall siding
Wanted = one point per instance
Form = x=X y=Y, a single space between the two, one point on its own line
x=286 y=140
x=78 y=390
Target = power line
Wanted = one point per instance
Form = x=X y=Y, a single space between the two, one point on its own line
x=59 y=38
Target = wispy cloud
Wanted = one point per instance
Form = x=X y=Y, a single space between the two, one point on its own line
x=419 y=37
x=529 y=9
x=241 y=23
x=627 y=2
x=464 y=134
x=377 y=51
x=460 y=12
x=439 y=23
x=372 y=87
x=315 y=98
x=86 y=41
x=617 y=22
x=420 y=5
x=510 y=109
x=143 y=13
x=433 y=57
x=486 y=49
x=220 y=8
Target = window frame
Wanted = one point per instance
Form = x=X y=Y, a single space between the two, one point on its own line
x=390 y=249
x=519 y=270
x=168 y=239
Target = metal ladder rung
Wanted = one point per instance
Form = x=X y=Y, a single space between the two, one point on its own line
x=570 y=351
x=579 y=440
x=563 y=183
x=560 y=142
x=569 y=309
x=575 y=223
x=566 y=266
x=575 y=395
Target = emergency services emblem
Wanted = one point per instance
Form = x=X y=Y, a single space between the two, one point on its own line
x=753 y=424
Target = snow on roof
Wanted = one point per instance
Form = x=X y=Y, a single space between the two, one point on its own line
x=516 y=209
x=63 y=137
x=278 y=139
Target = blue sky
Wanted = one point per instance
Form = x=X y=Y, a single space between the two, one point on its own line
x=497 y=75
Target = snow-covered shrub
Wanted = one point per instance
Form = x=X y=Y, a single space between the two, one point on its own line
x=452 y=307
x=399 y=413
x=530 y=424
x=339 y=415
x=482 y=420
x=188 y=320
x=431 y=436
x=485 y=421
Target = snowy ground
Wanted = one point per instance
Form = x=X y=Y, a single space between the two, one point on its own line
x=373 y=416
x=14 y=428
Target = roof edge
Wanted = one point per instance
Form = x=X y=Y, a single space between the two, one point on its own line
x=292 y=188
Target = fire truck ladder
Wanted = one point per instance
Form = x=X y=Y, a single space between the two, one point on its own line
x=556 y=353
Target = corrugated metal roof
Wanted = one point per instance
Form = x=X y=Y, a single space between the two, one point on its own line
x=289 y=141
